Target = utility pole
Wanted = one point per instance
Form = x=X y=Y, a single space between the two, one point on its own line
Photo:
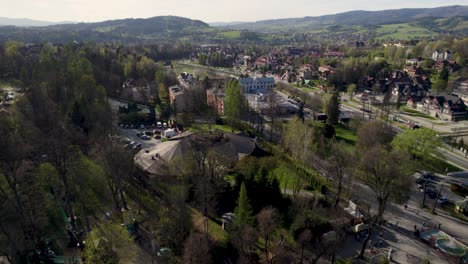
x=437 y=198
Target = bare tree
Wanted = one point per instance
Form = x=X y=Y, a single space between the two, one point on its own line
x=272 y=110
x=340 y=166
x=386 y=173
x=196 y=250
x=268 y=220
x=244 y=239
x=373 y=133
x=118 y=165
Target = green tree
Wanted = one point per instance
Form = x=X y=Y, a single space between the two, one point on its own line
x=419 y=143
x=110 y=244
x=333 y=109
x=351 y=89
x=243 y=210
x=235 y=105
x=440 y=86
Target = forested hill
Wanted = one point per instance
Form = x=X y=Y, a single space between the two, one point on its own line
x=121 y=30
x=360 y=18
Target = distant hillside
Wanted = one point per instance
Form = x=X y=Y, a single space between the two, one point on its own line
x=153 y=25
x=26 y=22
x=159 y=27
x=223 y=24
x=356 y=18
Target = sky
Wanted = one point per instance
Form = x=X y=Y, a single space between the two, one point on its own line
x=205 y=10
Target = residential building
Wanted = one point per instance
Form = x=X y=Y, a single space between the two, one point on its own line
x=444 y=106
x=442 y=55
x=257 y=85
x=177 y=98
x=215 y=99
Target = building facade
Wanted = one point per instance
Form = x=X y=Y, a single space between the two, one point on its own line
x=257 y=85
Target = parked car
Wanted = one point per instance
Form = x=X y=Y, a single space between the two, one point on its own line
x=145 y=137
x=442 y=200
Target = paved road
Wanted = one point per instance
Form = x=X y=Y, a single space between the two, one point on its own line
x=397 y=234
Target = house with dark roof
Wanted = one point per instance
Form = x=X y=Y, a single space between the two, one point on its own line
x=444 y=106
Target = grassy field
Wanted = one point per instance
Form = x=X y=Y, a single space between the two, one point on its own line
x=204 y=127
x=201 y=70
x=403 y=31
x=438 y=165
x=308 y=89
x=235 y=34
x=414 y=112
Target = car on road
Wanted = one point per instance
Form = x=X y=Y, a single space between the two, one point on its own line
x=443 y=200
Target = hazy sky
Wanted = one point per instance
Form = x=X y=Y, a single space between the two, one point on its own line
x=206 y=10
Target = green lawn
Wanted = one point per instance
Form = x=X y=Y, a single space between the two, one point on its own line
x=204 y=127
x=308 y=89
x=437 y=165
x=345 y=134
x=414 y=112
x=286 y=177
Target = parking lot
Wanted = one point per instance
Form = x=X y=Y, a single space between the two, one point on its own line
x=141 y=137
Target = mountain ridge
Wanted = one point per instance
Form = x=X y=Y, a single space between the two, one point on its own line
x=27 y=22
x=358 y=17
